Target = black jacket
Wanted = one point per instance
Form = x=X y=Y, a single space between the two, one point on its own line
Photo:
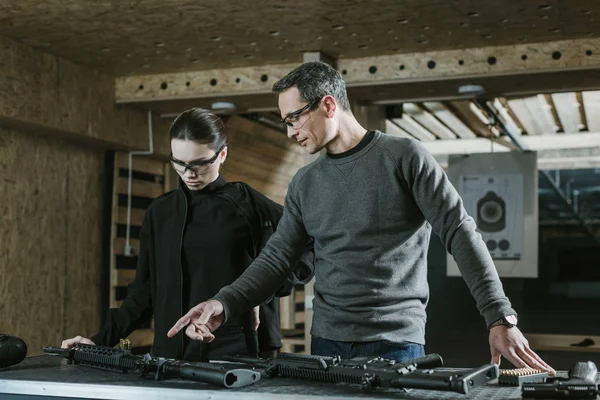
x=157 y=288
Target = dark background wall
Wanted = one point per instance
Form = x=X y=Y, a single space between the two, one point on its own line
x=456 y=330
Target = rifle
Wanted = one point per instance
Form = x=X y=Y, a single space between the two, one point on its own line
x=581 y=383
x=119 y=360
x=420 y=373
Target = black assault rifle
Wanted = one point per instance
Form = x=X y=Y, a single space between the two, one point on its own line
x=420 y=373
x=111 y=359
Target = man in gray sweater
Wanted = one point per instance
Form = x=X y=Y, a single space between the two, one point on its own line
x=370 y=203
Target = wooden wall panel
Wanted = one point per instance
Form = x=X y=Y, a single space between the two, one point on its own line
x=84 y=242
x=42 y=93
x=51 y=239
x=264 y=158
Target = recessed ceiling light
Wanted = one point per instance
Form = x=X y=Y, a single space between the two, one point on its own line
x=471 y=90
x=338 y=26
x=215 y=38
x=223 y=106
x=402 y=21
x=274 y=33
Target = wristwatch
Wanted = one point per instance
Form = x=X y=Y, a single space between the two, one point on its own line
x=509 y=321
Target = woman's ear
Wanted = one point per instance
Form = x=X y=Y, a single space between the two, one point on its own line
x=223 y=154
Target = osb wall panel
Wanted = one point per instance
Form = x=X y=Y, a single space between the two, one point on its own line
x=263 y=158
x=54 y=95
x=50 y=252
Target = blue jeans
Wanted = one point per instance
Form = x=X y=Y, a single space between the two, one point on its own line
x=401 y=352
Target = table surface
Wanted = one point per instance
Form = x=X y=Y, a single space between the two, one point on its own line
x=51 y=376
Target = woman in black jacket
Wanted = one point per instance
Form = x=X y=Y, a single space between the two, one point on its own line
x=195 y=240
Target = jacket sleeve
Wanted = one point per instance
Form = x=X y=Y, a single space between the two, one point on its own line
x=269 y=330
x=304 y=270
x=136 y=309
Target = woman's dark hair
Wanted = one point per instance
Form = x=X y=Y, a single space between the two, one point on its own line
x=200 y=125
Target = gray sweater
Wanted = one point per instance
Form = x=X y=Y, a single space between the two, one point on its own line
x=371 y=214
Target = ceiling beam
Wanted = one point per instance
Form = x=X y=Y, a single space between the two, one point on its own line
x=504 y=103
x=472 y=116
x=579 y=54
x=555 y=159
x=415 y=129
x=591 y=103
x=428 y=121
x=394 y=130
x=507 y=116
x=465 y=146
x=445 y=115
x=549 y=101
x=567 y=109
x=535 y=143
x=582 y=114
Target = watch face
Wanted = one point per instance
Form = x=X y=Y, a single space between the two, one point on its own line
x=511 y=319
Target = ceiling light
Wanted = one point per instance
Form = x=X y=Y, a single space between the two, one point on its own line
x=222 y=106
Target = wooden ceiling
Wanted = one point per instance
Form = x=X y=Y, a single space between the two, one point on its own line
x=125 y=37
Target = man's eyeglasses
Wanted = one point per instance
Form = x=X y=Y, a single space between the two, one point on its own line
x=293 y=116
x=198 y=167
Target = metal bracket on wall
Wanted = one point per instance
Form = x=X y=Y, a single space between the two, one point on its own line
x=496 y=120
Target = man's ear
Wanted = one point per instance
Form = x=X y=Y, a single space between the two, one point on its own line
x=330 y=105
x=223 y=154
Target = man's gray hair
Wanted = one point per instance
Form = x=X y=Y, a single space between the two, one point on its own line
x=315 y=80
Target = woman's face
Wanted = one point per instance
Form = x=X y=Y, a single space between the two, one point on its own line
x=196 y=163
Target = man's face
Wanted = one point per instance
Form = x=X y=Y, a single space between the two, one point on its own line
x=196 y=163
x=308 y=127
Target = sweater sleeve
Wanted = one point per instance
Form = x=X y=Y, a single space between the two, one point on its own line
x=273 y=265
x=442 y=206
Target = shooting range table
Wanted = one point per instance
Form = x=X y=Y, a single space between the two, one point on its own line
x=51 y=377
